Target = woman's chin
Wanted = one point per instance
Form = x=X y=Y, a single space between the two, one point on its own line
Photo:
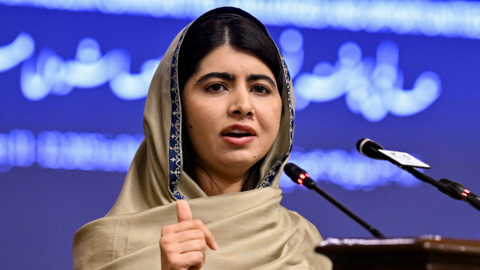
x=243 y=160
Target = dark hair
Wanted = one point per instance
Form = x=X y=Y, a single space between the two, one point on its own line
x=205 y=35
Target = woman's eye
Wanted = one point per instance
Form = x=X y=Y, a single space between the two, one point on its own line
x=216 y=87
x=261 y=89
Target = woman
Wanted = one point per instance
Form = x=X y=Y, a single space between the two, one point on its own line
x=218 y=125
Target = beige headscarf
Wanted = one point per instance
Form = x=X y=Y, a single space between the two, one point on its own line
x=251 y=228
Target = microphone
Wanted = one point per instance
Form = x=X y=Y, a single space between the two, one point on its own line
x=370 y=149
x=408 y=163
x=374 y=150
x=302 y=178
x=299 y=176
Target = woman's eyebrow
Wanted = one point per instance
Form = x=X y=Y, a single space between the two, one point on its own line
x=255 y=77
x=221 y=75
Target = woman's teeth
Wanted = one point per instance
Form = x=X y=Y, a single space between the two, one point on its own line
x=238 y=133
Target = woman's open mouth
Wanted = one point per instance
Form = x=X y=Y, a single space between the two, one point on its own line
x=238 y=134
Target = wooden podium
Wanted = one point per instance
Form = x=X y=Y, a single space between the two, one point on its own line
x=425 y=252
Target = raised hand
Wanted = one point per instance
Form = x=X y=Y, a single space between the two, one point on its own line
x=183 y=245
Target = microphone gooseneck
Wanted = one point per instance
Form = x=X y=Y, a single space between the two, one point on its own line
x=302 y=178
x=454 y=190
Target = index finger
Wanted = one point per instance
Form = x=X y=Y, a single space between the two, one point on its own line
x=209 y=239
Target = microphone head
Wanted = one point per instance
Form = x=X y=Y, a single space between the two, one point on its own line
x=298 y=175
x=370 y=149
x=293 y=171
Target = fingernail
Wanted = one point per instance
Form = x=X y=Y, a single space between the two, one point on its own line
x=215 y=246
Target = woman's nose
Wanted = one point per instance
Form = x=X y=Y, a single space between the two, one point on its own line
x=241 y=104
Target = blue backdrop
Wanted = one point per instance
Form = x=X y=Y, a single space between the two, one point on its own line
x=74 y=75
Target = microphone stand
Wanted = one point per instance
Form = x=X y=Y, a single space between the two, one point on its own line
x=454 y=190
x=376 y=233
x=309 y=183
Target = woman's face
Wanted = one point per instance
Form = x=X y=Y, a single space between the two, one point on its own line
x=232 y=110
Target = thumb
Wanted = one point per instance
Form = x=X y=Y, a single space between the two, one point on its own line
x=183 y=211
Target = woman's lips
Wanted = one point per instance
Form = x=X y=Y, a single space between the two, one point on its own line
x=238 y=134
x=238 y=140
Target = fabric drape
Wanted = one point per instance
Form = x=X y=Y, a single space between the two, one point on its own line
x=252 y=229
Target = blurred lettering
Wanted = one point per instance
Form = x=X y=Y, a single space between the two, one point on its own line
x=103 y=152
x=428 y=18
x=70 y=150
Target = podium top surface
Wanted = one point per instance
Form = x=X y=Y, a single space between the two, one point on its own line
x=424 y=252
x=426 y=242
